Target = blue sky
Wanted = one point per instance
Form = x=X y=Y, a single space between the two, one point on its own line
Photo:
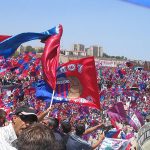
x=119 y=27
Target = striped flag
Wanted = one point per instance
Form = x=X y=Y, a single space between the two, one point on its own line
x=9 y=44
x=136 y=120
x=44 y=92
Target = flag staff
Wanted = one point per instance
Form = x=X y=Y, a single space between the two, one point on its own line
x=52 y=99
x=51 y=102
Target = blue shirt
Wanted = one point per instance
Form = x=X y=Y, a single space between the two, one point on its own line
x=77 y=143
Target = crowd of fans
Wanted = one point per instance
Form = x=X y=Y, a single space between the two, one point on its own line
x=29 y=123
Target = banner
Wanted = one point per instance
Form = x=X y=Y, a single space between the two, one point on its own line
x=114 y=144
x=108 y=63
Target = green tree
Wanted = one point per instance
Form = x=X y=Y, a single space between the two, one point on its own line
x=16 y=54
x=105 y=55
x=29 y=49
x=40 y=50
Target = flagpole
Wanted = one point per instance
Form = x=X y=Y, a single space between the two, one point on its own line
x=51 y=102
x=52 y=99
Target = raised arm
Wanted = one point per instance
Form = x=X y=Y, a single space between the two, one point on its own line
x=100 y=140
x=90 y=130
x=43 y=114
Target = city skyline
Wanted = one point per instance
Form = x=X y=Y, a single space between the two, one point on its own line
x=121 y=28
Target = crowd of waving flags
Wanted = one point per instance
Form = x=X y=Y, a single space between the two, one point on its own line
x=63 y=79
x=24 y=64
x=118 y=114
x=81 y=69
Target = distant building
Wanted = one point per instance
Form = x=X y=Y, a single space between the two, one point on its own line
x=79 y=53
x=96 y=51
x=75 y=53
x=78 y=47
x=80 y=50
x=67 y=53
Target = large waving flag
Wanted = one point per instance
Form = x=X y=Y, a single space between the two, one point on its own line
x=8 y=45
x=145 y=3
x=44 y=92
x=117 y=112
x=83 y=80
x=50 y=57
x=74 y=83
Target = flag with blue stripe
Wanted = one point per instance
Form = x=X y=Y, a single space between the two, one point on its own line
x=44 y=92
x=10 y=45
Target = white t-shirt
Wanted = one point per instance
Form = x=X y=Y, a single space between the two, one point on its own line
x=8 y=134
x=5 y=145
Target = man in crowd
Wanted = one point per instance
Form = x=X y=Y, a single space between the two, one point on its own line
x=37 y=137
x=66 y=130
x=23 y=117
x=75 y=141
x=54 y=125
x=2 y=117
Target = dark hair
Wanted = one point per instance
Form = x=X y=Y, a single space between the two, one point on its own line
x=2 y=117
x=80 y=129
x=54 y=123
x=66 y=126
x=2 y=114
x=37 y=137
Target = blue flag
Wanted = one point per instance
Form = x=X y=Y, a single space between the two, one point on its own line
x=145 y=3
x=10 y=45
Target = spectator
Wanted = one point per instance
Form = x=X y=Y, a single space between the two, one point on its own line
x=66 y=129
x=23 y=117
x=54 y=124
x=75 y=141
x=2 y=117
x=37 y=137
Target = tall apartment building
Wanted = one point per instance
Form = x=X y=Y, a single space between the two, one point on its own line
x=96 y=51
x=78 y=47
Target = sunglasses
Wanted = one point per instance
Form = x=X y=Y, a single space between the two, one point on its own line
x=28 y=118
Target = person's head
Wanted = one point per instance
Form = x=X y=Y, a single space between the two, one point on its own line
x=148 y=118
x=45 y=121
x=36 y=137
x=24 y=116
x=66 y=126
x=80 y=129
x=53 y=123
x=2 y=117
